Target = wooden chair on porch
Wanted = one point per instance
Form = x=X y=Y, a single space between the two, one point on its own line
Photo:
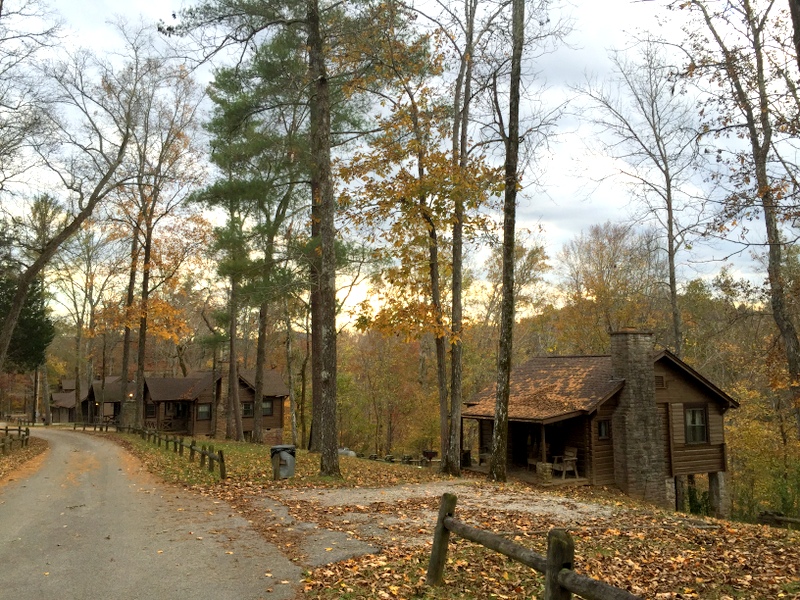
x=566 y=462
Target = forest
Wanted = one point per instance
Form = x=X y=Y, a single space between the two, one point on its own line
x=330 y=189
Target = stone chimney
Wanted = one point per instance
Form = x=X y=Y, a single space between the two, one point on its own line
x=636 y=429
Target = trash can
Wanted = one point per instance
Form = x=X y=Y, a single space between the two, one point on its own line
x=282 y=461
x=466 y=458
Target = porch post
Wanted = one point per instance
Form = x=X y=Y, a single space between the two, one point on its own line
x=461 y=442
x=543 y=445
x=718 y=499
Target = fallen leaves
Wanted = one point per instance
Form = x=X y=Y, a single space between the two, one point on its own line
x=649 y=552
x=13 y=462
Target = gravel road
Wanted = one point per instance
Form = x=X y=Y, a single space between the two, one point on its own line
x=90 y=522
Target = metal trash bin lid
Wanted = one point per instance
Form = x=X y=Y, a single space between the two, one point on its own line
x=281 y=448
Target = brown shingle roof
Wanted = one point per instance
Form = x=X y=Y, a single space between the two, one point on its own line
x=110 y=390
x=63 y=399
x=552 y=388
x=163 y=389
x=273 y=382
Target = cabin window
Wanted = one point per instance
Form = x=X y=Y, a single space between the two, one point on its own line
x=247 y=409
x=149 y=411
x=696 y=425
x=604 y=429
x=204 y=412
x=266 y=408
x=661 y=383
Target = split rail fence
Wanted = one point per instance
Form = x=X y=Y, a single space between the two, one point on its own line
x=208 y=457
x=560 y=580
x=14 y=435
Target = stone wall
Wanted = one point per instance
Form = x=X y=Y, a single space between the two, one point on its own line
x=639 y=468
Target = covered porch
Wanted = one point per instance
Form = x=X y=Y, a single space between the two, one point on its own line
x=173 y=416
x=530 y=476
x=531 y=442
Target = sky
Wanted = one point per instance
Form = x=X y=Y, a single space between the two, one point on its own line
x=569 y=199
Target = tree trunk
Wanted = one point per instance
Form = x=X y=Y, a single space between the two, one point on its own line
x=48 y=414
x=261 y=359
x=235 y=430
x=141 y=353
x=36 y=396
x=794 y=10
x=290 y=373
x=439 y=338
x=497 y=463
x=78 y=360
x=316 y=337
x=128 y=416
x=451 y=463
x=322 y=198
x=677 y=327
x=303 y=396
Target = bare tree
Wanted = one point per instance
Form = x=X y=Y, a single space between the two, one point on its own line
x=739 y=47
x=651 y=128
x=84 y=271
x=93 y=106
x=26 y=27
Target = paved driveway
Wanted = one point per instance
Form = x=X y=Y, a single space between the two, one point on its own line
x=90 y=522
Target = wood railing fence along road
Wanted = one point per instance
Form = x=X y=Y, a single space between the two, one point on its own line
x=560 y=580
x=206 y=453
x=13 y=435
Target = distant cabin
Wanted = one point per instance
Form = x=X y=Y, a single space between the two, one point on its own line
x=186 y=405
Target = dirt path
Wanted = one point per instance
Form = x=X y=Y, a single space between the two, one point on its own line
x=321 y=526
x=91 y=521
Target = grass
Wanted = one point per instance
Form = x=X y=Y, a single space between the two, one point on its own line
x=251 y=464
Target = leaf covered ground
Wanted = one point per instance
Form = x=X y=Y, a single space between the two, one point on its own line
x=12 y=463
x=391 y=507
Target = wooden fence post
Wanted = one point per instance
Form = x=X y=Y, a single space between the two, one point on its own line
x=191 y=450
x=203 y=452
x=560 y=555
x=180 y=452
x=441 y=537
x=223 y=474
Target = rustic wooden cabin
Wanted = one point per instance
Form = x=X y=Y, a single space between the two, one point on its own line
x=273 y=400
x=63 y=407
x=106 y=398
x=181 y=404
x=632 y=419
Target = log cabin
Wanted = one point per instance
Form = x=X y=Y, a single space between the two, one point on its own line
x=186 y=405
x=637 y=419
